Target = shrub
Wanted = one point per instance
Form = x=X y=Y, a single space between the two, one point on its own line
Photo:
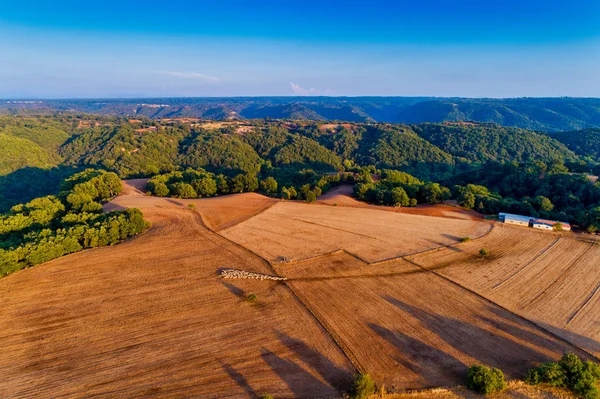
x=483 y=252
x=550 y=373
x=363 y=386
x=465 y=239
x=192 y=206
x=251 y=297
x=267 y=397
x=310 y=197
x=570 y=372
x=557 y=226
x=485 y=380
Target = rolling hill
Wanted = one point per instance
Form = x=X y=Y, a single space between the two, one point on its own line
x=550 y=114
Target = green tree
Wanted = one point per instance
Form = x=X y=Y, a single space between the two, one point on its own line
x=205 y=187
x=269 y=185
x=184 y=190
x=160 y=190
x=467 y=200
x=399 y=197
x=363 y=386
x=310 y=197
x=485 y=380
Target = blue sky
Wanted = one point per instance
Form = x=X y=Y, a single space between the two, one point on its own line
x=469 y=48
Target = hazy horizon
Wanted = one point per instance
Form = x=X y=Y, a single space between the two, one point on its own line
x=150 y=49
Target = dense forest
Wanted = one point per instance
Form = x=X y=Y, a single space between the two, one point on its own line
x=548 y=114
x=49 y=227
x=487 y=167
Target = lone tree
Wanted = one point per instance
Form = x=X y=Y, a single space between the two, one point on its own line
x=363 y=386
x=483 y=252
x=485 y=380
x=557 y=226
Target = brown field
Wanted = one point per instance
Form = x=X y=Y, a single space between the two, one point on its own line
x=299 y=231
x=217 y=213
x=412 y=329
x=550 y=278
x=151 y=318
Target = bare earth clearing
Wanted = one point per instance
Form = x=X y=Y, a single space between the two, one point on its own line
x=151 y=318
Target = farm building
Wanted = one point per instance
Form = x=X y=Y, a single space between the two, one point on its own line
x=528 y=221
x=544 y=224
x=519 y=220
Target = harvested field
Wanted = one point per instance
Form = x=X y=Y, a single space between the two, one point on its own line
x=552 y=279
x=217 y=213
x=412 y=329
x=342 y=196
x=222 y=212
x=300 y=231
x=151 y=317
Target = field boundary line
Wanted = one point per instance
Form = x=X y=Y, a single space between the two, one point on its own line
x=347 y=353
x=534 y=259
x=442 y=247
x=584 y=305
x=571 y=267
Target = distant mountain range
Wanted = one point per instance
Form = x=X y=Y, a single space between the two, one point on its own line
x=547 y=114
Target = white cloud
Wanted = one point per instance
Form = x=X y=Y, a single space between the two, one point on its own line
x=301 y=91
x=189 y=75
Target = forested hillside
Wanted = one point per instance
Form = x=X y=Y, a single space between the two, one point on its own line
x=585 y=143
x=31 y=141
x=300 y=159
x=549 y=114
x=49 y=227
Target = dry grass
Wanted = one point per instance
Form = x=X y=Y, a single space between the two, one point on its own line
x=299 y=231
x=515 y=390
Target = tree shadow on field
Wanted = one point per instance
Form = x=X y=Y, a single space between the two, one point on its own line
x=578 y=340
x=172 y=201
x=540 y=337
x=480 y=342
x=299 y=381
x=444 y=245
x=240 y=380
x=237 y=291
x=434 y=366
x=450 y=237
x=337 y=377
